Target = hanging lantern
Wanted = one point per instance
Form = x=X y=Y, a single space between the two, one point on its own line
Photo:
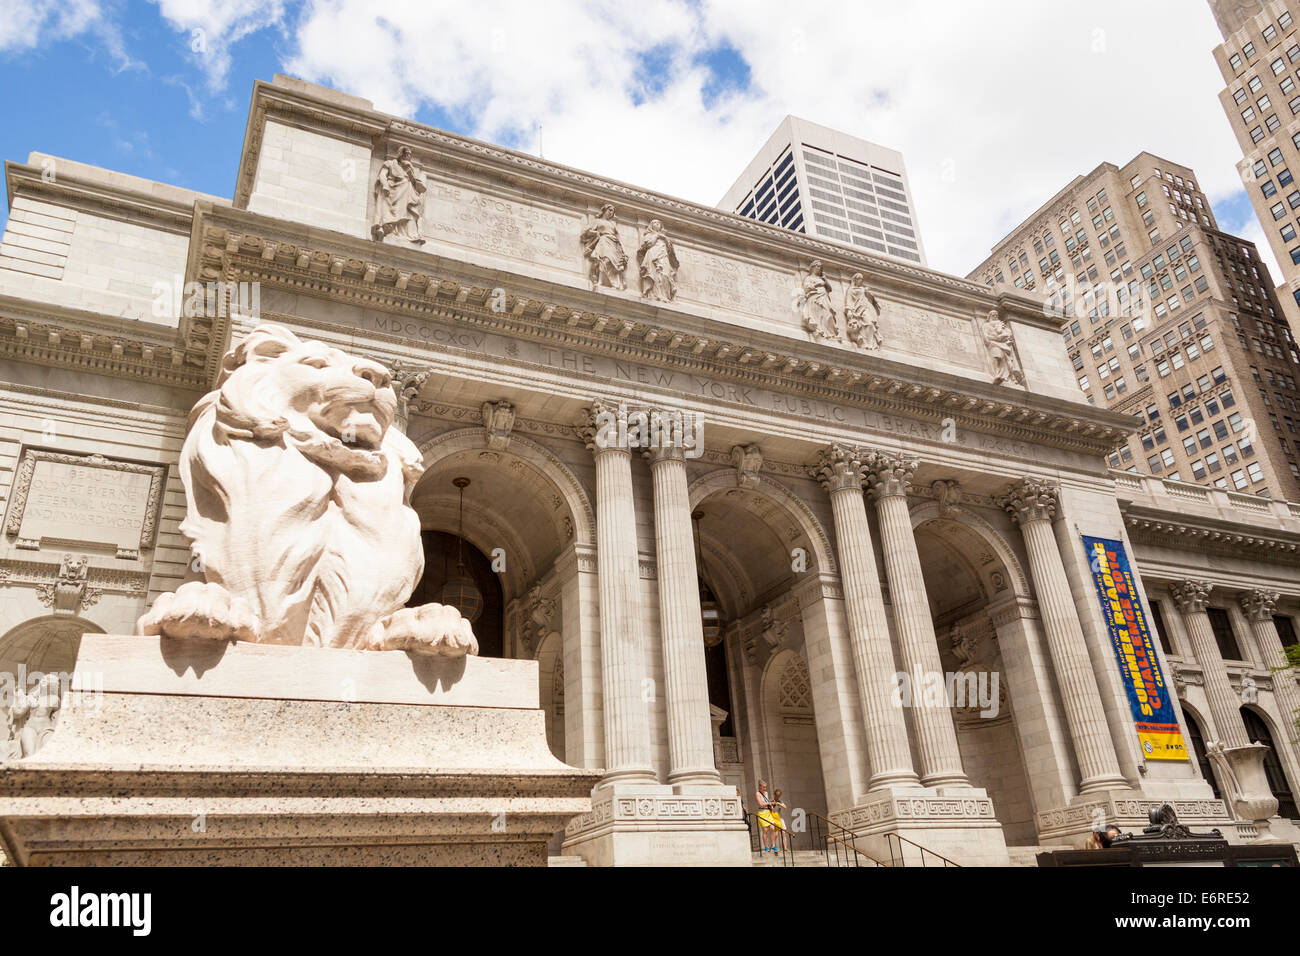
x=459 y=590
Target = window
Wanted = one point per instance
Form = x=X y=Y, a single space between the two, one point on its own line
x=1221 y=624
x=1255 y=472
x=1239 y=479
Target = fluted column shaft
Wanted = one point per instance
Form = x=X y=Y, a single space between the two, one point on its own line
x=888 y=478
x=1032 y=504
x=840 y=471
x=1259 y=606
x=627 y=725
x=690 y=731
x=1192 y=598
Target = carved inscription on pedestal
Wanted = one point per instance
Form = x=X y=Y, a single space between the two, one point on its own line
x=84 y=499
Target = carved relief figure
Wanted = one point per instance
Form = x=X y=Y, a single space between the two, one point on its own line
x=33 y=716
x=658 y=264
x=1001 y=343
x=297 y=491
x=606 y=259
x=400 y=189
x=498 y=421
x=818 y=313
x=748 y=460
x=862 y=314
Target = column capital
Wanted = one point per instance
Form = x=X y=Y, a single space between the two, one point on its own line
x=838 y=467
x=889 y=474
x=599 y=425
x=1031 y=499
x=1191 y=595
x=1258 y=604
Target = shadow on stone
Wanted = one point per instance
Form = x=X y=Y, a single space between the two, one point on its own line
x=184 y=653
x=437 y=672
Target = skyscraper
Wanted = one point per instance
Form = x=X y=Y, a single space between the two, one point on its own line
x=1260 y=62
x=830 y=185
x=1169 y=319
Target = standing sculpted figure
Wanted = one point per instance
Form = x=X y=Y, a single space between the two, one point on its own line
x=400 y=189
x=297 y=489
x=1001 y=344
x=35 y=715
x=818 y=313
x=658 y=264
x=862 y=313
x=606 y=259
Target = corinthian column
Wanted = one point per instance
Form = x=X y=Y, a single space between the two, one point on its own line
x=1259 y=606
x=888 y=479
x=840 y=471
x=627 y=727
x=690 y=732
x=1192 y=597
x=1032 y=504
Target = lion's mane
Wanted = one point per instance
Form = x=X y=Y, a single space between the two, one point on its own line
x=315 y=534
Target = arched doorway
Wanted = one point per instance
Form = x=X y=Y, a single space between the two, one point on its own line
x=1197 y=736
x=790 y=733
x=448 y=558
x=1258 y=732
x=967 y=573
x=758 y=548
x=528 y=533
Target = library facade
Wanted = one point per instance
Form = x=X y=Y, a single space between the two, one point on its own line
x=759 y=506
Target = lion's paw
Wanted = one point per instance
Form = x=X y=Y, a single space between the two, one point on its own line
x=196 y=609
x=436 y=629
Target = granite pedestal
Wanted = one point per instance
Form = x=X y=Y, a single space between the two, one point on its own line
x=202 y=753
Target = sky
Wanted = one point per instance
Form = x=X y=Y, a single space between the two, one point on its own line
x=995 y=105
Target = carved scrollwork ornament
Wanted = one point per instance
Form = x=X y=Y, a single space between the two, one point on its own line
x=1031 y=499
x=839 y=467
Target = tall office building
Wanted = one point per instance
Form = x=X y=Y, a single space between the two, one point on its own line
x=1169 y=319
x=830 y=185
x=1260 y=62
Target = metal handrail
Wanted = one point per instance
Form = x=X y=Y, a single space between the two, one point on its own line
x=850 y=843
x=890 y=837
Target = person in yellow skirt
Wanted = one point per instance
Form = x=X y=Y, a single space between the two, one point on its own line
x=776 y=807
x=767 y=819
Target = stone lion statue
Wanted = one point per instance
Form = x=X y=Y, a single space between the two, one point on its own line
x=297 y=494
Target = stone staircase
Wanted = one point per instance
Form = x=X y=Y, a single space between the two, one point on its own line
x=801 y=858
x=567 y=861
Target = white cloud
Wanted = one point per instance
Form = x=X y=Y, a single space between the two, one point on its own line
x=30 y=24
x=212 y=27
x=1011 y=103
x=994 y=109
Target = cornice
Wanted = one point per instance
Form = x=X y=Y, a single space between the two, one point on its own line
x=236 y=245
x=73 y=190
x=1209 y=535
x=549 y=177
x=43 y=333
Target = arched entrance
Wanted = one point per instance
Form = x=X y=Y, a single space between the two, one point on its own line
x=1197 y=736
x=969 y=572
x=525 y=519
x=759 y=547
x=1257 y=730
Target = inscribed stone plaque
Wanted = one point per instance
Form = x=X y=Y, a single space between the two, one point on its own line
x=84 y=499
